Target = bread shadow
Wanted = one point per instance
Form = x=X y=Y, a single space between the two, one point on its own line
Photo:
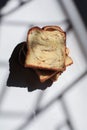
x=22 y=77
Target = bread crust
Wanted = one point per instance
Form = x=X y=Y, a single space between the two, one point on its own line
x=52 y=27
x=48 y=74
x=44 y=68
x=55 y=77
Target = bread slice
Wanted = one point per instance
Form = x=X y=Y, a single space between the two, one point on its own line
x=46 y=48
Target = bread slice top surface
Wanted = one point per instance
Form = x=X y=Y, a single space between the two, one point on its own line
x=46 y=49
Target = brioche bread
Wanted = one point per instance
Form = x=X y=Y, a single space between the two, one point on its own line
x=46 y=48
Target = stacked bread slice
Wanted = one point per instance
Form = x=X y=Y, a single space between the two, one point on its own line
x=47 y=53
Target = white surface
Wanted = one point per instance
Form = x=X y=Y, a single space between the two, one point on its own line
x=76 y=101
x=22 y=102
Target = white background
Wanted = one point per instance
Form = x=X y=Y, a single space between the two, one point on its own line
x=17 y=104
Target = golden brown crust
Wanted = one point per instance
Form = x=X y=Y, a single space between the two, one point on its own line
x=55 y=77
x=33 y=28
x=52 y=28
x=67 y=51
x=44 y=68
x=45 y=74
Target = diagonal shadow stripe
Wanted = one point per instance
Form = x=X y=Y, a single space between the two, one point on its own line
x=21 y=4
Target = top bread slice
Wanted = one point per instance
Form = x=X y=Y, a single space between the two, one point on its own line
x=46 y=48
